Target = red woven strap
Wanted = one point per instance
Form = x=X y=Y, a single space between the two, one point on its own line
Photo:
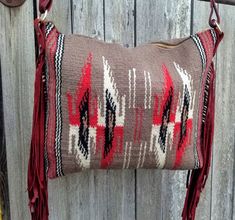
x=44 y=5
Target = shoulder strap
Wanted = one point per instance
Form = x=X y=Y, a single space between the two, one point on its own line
x=44 y=5
x=214 y=23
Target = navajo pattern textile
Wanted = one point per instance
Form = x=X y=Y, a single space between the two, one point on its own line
x=99 y=105
x=112 y=107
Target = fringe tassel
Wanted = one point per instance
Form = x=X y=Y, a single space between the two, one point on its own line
x=37 y=181
x=199 y=176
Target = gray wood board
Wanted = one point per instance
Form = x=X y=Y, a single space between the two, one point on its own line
x=223 y=173
x=18 y=67
x=4 y=193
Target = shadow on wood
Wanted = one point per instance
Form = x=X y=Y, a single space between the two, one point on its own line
x=4 y=199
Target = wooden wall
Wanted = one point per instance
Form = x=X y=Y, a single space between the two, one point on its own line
x=128 y=194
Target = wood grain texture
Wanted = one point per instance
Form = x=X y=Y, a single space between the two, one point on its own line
x=4 y=193
x=160 y=194
x=17 y=59
x=223 y=173
x=88 y=18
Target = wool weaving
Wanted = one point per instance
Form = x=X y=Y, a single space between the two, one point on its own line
x=100 y=105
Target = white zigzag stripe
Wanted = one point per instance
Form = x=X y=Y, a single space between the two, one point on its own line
x=141 y=145
x=130 y=74
x=147 y=94
x=187 y=82
x=58 y=63
x=201 y=49
x=129 y=88
x=125 y=155
x=134 y=85
x=120 y=101
x=143 y=158
x=129 y=158
x=145 y=91
x=49 y=27
x=150 y=90
x=74 y=141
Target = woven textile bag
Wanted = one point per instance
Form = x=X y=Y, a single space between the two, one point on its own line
x=102 y=106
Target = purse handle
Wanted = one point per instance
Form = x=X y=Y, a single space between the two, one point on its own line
x=45 y=6
x=214 y=23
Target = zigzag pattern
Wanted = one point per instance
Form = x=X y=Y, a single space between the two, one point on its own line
x=58 y=64
x=49 y=27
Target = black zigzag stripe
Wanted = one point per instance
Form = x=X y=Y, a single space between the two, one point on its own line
x=184 y=115
x=214 y=37
x=49 y=27
x=58 y=64
x=110 y=122
x=165 y=120
x=200 y=47
x=84 y=125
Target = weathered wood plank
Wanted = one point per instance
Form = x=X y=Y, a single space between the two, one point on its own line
x=4 y=198
x=60 y=15
x=17 y=58
x=88 y=18
x=233 y=191
x=224 y=146
x=119 y=22
x=160 y=194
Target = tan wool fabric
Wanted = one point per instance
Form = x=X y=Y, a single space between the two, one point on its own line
x=112 y=107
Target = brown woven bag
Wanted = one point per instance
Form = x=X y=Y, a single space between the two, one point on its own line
x=99 y=105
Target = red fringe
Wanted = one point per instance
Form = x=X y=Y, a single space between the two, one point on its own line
x=199 y=176
x=37 y=181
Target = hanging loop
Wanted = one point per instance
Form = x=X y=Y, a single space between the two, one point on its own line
x=44 y=5
x=43 y=16
x=214 y=23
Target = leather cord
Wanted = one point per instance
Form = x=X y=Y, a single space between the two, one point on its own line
x=214 y=9
x=44 y=5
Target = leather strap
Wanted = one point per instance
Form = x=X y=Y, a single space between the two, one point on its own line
x=12 y=3
x=44 y=5
x=212 y=21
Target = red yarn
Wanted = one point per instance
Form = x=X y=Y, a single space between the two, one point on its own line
x=37 y=181
x=199 y=176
